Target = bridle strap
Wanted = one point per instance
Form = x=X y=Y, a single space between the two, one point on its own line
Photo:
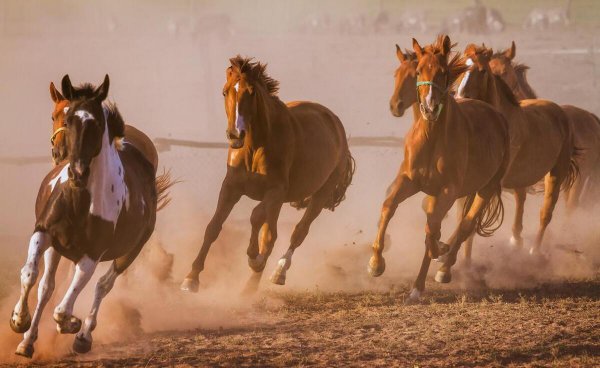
x=59 y=130
x=440 y=106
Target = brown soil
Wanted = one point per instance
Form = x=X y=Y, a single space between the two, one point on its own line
x=551 y=325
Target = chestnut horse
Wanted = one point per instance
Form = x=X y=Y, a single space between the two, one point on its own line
x=541 y=140
x=454 y=149
x=99 y=205
x=58 y=139
x=586 y=128
x=295 y=152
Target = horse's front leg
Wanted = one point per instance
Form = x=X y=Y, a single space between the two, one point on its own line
x=401 y=189
x=63 y=313
x=273 y=201
x=83 y=340
x=438 y=207
x=20 y=320
x=257 y=219
x=45 y=289
x=228 y=197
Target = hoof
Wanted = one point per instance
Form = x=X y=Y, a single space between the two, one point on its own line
x=81 y=345
x=25 y=350
x=20 y=325
x=278 y=277
x=70 y=326
x=377 y=269
x=443 y=277
x=413 y=298
x=516 y=243
x=257 y=264
x=190 y=285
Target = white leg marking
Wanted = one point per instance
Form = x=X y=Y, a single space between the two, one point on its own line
x=283 y=265
x=103 y=287
x=45 y=289
x=39 y=242
x=83 y=272
x=415 y=294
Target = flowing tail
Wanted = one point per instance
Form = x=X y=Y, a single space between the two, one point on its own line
x=163 y=184
x=492 y=216
x=339 y=193
x=573 y=173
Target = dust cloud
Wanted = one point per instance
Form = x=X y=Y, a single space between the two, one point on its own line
x=167 y=65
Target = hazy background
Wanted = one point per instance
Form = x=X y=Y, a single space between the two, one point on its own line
x=167 y=60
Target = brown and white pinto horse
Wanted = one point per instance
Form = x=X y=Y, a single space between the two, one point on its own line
x=454 y=149
x=58 y=141
x=99 y=206
x=586 y=129
x=295 y=153
x=541 y=140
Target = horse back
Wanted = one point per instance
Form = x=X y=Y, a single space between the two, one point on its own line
x=317 y=121
x=143 y=143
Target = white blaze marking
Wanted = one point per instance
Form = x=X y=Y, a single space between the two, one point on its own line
x=239 y=120
x=66 y=109
x=463 y=82
x=62 y=176
x=429 y=97
x=84 y=115
x=106 y=183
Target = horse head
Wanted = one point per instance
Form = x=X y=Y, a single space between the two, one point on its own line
x=57 y=139
x=405 y=79
x=86 y=125
x=477 y=80
x=436 y=75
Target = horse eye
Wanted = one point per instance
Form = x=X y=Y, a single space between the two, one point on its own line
x=224 y=93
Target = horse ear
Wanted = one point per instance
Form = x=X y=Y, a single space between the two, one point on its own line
x=511 y=52
x=417 y=48
x=446 y=45
x=67 y=87
x=54 y=94
x=102 y=91
x=399 y=53
x=471 y=49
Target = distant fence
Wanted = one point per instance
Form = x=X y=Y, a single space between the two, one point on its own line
x=165 y=144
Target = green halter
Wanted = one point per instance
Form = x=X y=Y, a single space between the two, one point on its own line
x=440 y=106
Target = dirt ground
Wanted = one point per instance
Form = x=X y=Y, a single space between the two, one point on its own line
x=166 y=64
x=554 y=324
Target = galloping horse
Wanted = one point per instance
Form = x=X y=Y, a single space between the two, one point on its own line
x=295 y=152
x=99 y=206
x=58 y=140
x=541 y=140
x=586 y=128
x=453 y=149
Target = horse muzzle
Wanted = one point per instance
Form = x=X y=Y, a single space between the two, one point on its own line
x=78 y=174
x=236 y=141
x=430 y=113
x=397 y=108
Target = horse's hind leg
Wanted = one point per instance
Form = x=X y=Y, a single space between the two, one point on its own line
x=45 y=289
x=314 y=208
x=552 y=190
x=20 y=320
x=63 y=313
x=401 y=188
x=516 y=239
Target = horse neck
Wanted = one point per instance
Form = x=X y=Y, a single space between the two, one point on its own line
x=416 y=111
x=269 y=110
x=106 y=182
